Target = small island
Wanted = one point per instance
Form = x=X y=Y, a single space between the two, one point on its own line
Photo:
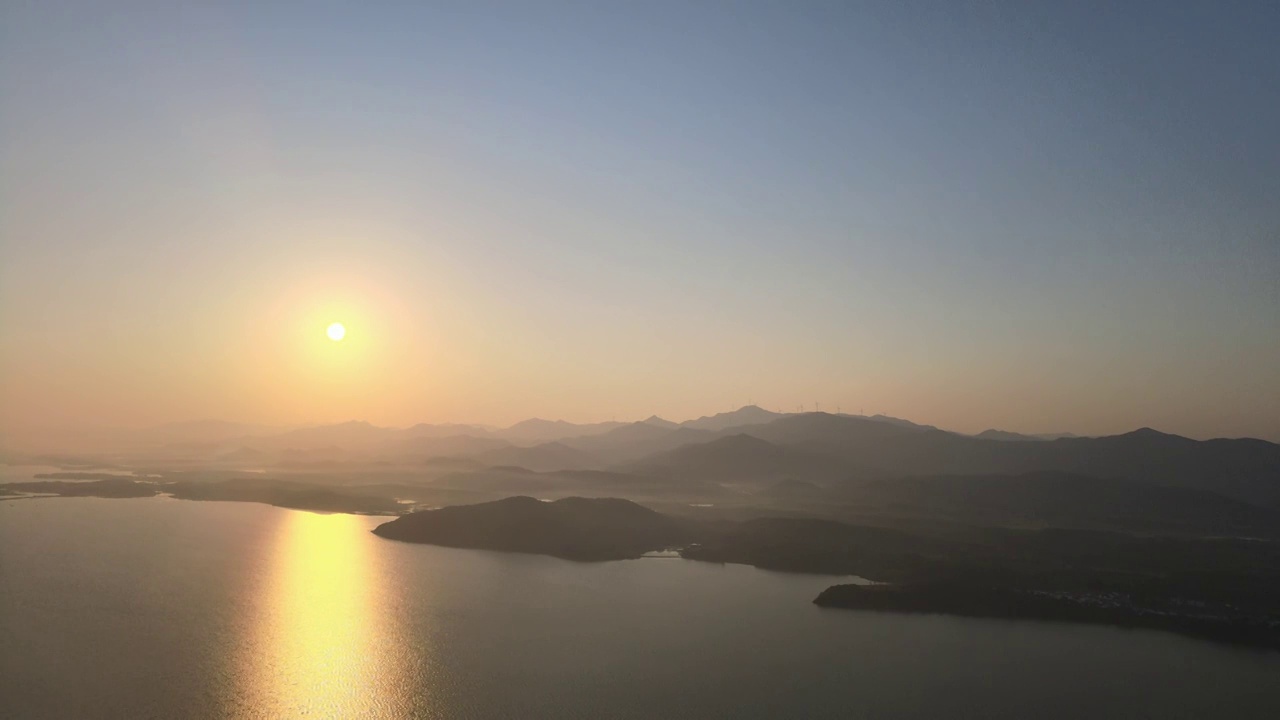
x=280 y=493
x=286 y=494
x=112 y=487
x=573 y=528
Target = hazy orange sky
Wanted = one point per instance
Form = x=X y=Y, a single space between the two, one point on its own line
x=595 y=213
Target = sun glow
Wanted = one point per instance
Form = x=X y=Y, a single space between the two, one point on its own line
x=297 y=369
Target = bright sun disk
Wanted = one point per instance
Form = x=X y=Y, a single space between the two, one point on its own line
x=336 y=332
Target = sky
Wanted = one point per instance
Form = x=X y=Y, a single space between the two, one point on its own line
x=1035 y=216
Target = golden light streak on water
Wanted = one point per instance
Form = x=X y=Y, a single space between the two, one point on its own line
x=321 y=643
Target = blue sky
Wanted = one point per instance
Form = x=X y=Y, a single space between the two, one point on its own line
x=1039 y=216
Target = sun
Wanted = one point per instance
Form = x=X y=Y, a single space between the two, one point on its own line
x=336 y=332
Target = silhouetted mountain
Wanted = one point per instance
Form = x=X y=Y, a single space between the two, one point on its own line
x=897 y=421
x=748 y=415
x=844 y=435
x=994 y=434
x=1248 y=470
x=444 y=430
x=636 y=440
x=537 y=430
x=741 y=458
x=541 y=458
x=572 y=528
x=659 y=422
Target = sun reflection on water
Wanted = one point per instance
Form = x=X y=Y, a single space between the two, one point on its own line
x=321 y=644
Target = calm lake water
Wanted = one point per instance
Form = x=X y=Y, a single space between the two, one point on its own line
x=162 y=608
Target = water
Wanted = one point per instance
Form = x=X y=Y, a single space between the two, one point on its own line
x=161 y=608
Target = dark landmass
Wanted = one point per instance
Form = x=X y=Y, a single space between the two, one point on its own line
x=1207 y=568
x=1224 y=588
x=1216 y=621
x=574 y=528
x=286 y=494
x=820 y=546
x=114 y=487
x=1215 y=588
x=1056 y=499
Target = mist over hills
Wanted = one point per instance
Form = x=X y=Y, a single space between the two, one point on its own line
x=553 y=455
x=537 y=430
x=822 y=460
x=638 y=440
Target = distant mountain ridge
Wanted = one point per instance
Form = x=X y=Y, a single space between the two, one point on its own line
x=747 y=415
x=993 y=434
x=537 y=430
x=356 y=436
x=743 y=458
x=749 y=445
x=553 y=455
x=1244 y=469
